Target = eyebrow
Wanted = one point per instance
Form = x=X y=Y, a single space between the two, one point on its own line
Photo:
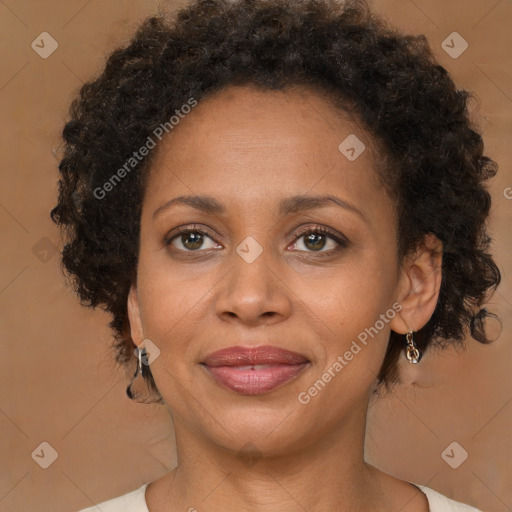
x=289 y=205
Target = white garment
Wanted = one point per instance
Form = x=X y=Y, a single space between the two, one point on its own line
x=134 y=501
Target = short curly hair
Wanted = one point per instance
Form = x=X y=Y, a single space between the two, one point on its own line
x=434 y=163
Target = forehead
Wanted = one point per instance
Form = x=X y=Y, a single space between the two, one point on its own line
x=246 y=140
x=298 y=112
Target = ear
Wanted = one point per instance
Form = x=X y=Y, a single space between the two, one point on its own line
x=137 y=332
x=419 y=285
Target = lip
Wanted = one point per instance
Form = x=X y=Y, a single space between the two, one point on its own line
x=237 y=368
x=243 y=356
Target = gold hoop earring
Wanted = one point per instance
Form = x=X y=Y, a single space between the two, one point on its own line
x=412 y=352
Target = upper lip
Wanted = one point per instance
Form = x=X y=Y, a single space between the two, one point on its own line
x=242 y=356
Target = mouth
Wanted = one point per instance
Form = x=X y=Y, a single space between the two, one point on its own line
x=256 y=370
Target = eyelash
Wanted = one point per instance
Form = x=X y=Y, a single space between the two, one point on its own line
x=341 y=241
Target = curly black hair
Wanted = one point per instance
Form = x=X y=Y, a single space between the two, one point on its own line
x=433 y=154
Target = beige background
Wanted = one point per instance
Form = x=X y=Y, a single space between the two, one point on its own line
x=58 y=381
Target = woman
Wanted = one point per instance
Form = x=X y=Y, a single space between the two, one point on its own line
x=275 y=200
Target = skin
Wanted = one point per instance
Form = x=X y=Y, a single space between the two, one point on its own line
x=249 y=149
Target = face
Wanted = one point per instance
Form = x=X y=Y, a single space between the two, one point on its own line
x=261 y=270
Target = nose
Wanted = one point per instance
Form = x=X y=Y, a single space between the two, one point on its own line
x=253 y=291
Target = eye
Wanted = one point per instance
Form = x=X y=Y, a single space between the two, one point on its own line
x=190 y=239
x=316 y=240
x=313 y=239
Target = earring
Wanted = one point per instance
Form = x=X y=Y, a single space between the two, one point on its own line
x=140 y=359
x=143 y=390
x=412 y=352
x=138 y=371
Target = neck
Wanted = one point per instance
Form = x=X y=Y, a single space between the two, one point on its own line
x=328 y=474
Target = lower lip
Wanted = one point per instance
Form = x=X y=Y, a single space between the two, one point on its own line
x=257 y=381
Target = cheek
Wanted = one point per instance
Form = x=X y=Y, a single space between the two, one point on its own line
x=172 y=310
x=352 y=348
x=356 y=308
x=355 y=293
x=174 y=305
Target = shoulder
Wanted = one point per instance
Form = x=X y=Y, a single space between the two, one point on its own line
x=440 y=503
x=133 y=501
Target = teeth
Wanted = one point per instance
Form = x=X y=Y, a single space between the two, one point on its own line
x=253 y=367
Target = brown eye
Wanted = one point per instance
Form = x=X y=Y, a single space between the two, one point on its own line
x=317 y=239
x=190 y=240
